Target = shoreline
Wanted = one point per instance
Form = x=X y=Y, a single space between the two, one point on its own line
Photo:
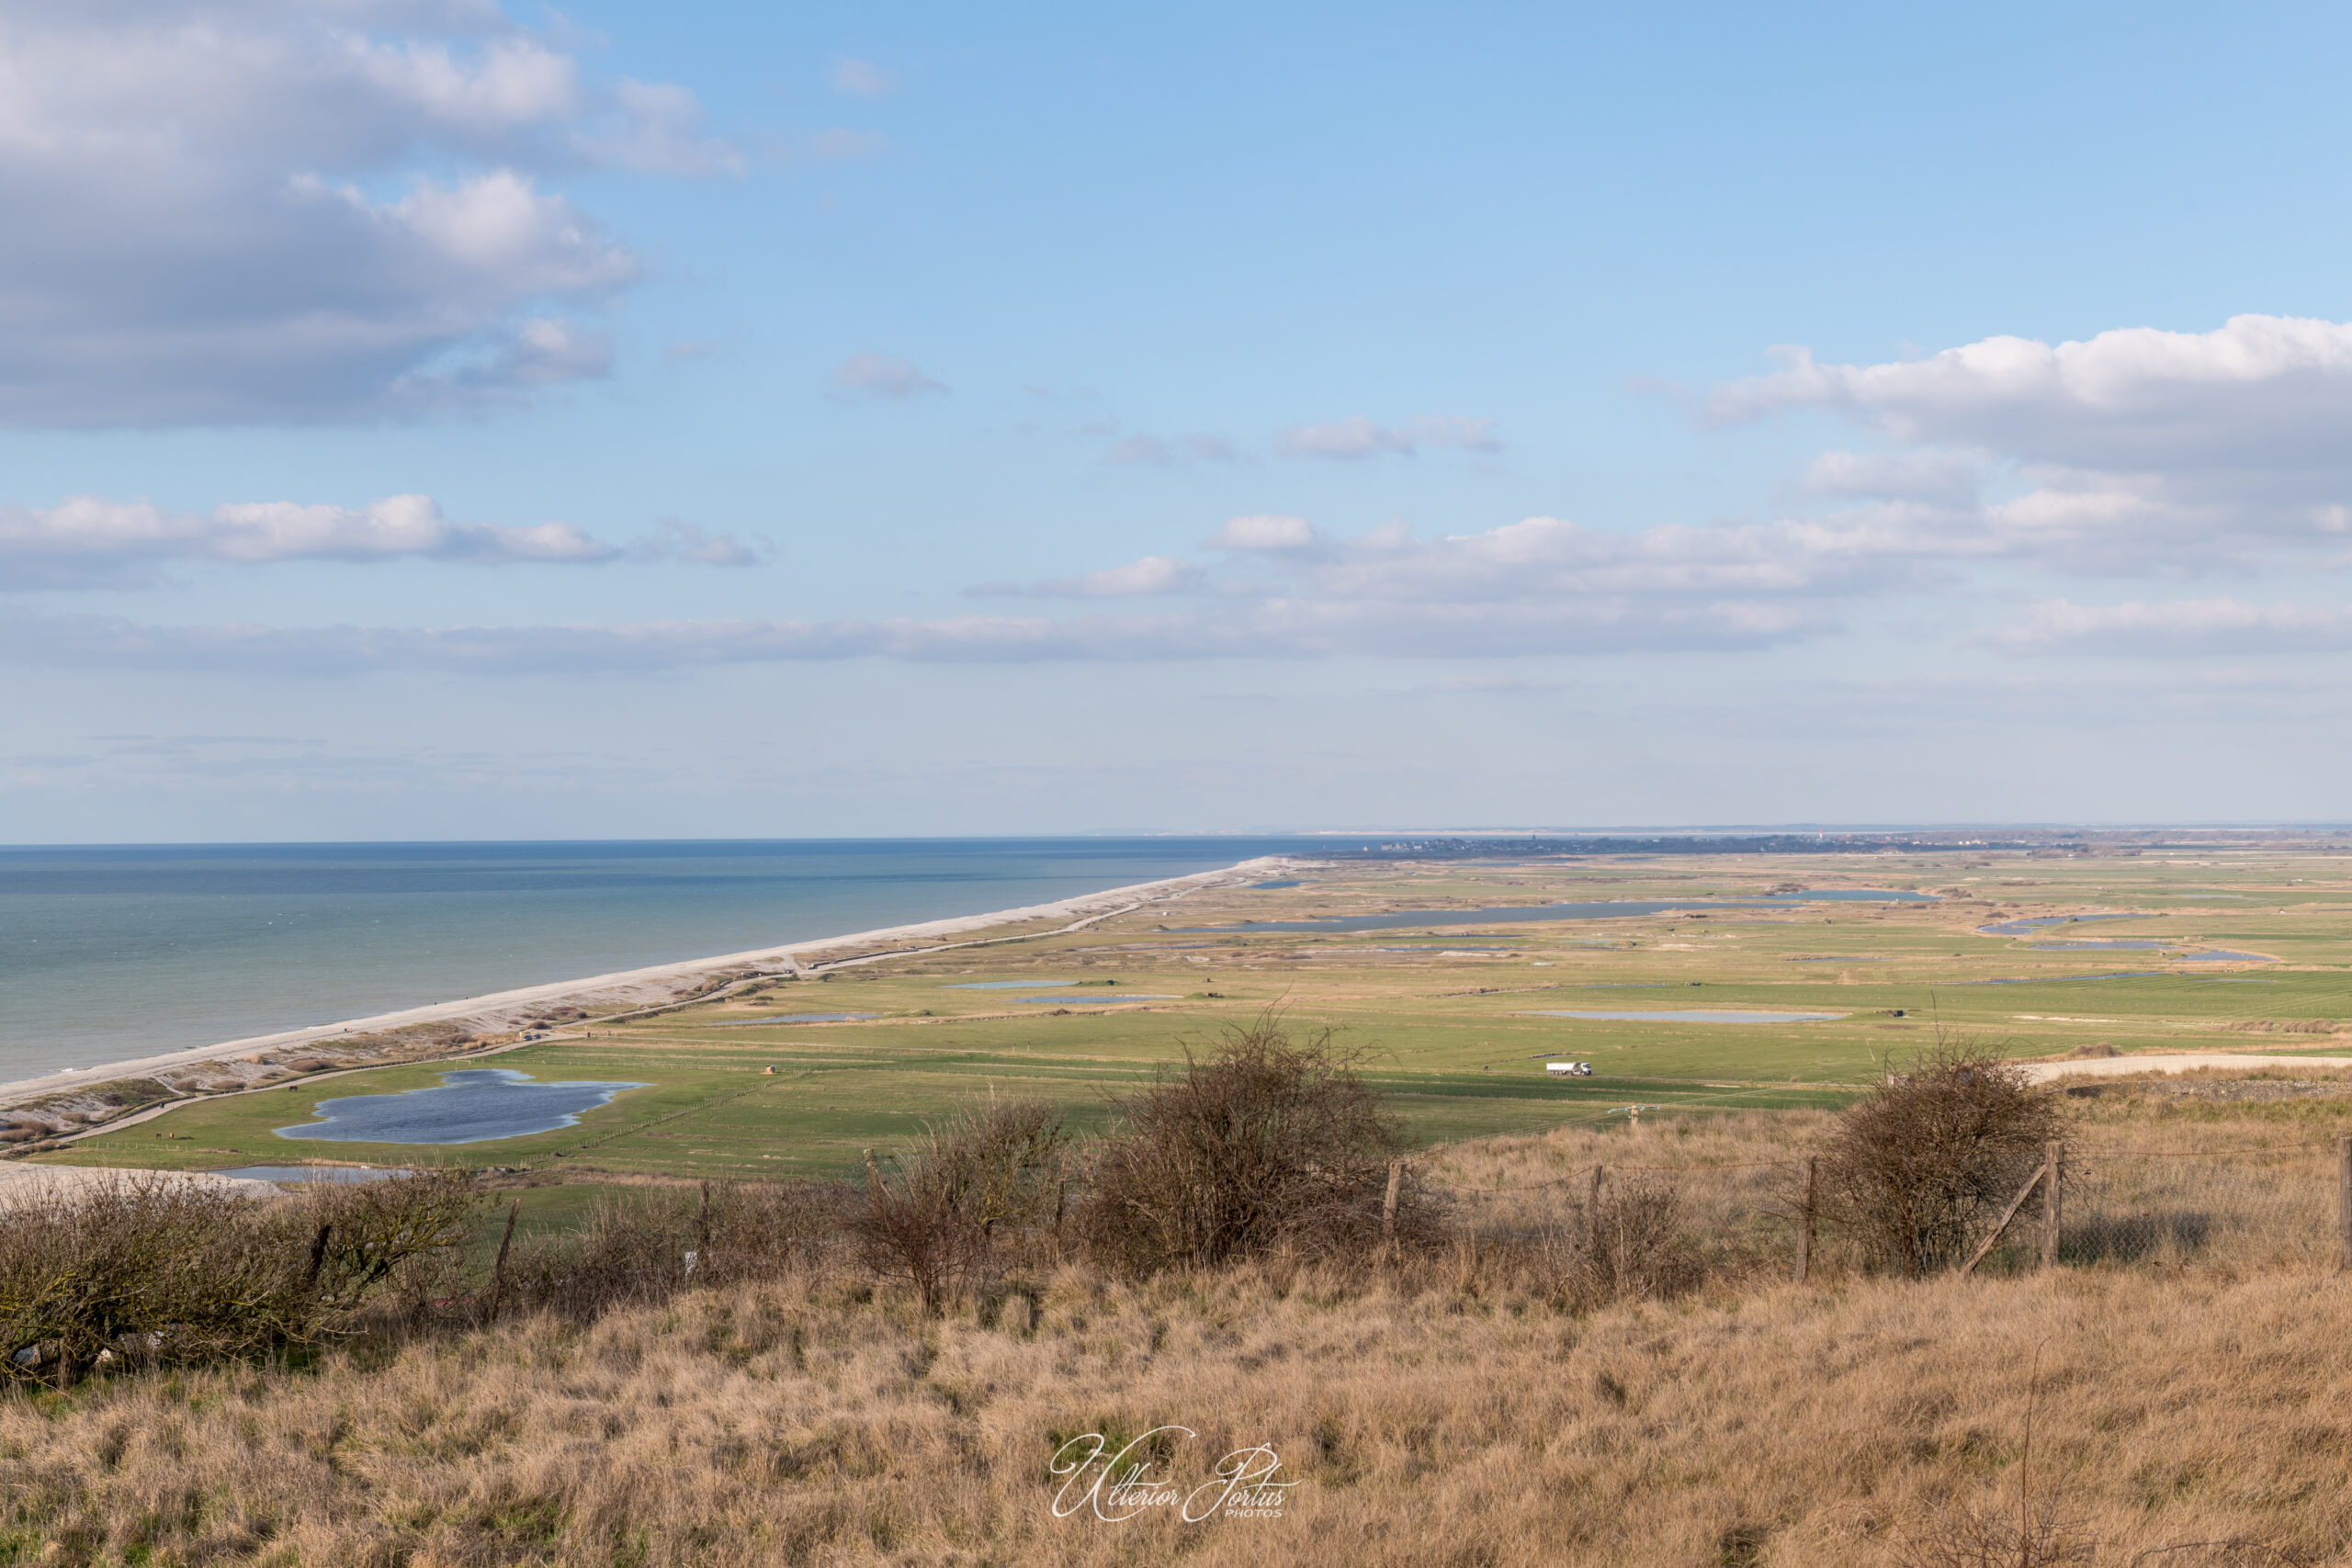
x=651 y=987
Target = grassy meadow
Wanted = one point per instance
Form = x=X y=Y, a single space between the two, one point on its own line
x=1445 y=1016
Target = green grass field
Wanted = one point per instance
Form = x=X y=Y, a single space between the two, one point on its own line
x=1442 y=1029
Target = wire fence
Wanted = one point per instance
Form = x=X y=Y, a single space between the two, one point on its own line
x=2256 y=1207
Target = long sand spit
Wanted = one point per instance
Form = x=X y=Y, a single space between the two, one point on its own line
x=662 y=983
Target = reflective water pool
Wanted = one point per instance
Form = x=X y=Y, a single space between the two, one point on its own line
x=474 y=1106
x=1700 y=1017
x=1065 y=999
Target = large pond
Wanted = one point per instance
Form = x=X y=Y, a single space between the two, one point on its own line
x=1611 y=909
x=473 y=1106
x=1700 y=1017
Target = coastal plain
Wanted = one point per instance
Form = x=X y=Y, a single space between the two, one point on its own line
x=1450 y=1004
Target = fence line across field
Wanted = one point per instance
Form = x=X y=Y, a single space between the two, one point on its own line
x=2082 y=1206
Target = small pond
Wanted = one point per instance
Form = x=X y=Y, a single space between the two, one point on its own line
x=2223 y=955
x=1066 y=999
x=1700 y=1017
x=1291 y=882
x=473 y=1106
x=798 y=1018
x=2040 y=922
x=2063 y=979
x=1611 y=910
x=328 y=1173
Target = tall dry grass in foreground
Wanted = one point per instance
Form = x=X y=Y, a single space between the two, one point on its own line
x=1427 y=1419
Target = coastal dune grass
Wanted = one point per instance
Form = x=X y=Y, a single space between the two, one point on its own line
x=1432 y=1416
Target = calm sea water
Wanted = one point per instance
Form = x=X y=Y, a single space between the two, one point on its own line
x=108 y=952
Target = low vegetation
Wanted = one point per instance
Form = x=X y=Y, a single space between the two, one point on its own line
x=1584 y=1345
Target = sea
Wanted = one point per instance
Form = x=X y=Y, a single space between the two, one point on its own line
x=115 y=952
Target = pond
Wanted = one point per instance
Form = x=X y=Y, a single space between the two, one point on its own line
x=473 y=1106
x=1611 y=910
x=1004 y=985
x=2040 y=922
x=2118 y=944
x=1066 y=1000
x=1700 y=1017
x=2223 y=955
x=798 y=1018
x=328 y=1173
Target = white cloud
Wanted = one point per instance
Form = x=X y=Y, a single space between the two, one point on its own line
x=881 y=376
x=2138 y=449
x=1264 y=531
x=1362 y=438
x=1150 y=576
x=2208 y=627
x=90 y=542
x=241 y=210
x=1952 y=478
x=861 y=78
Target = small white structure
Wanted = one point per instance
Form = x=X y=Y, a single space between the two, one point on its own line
x=1569 y=1069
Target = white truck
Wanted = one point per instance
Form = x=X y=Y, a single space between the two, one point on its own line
x=1569 y=1069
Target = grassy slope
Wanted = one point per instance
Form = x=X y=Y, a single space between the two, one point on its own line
x=1424 y=1424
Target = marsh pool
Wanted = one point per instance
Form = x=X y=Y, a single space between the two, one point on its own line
x=473 y=1106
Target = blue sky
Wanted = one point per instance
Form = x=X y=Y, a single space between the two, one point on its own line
x=420 y=420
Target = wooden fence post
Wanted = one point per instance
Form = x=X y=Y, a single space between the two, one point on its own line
x=873 y=1176
x=498 y=1271
x=1805 y=1231
x=2343 y=1198
x=1388 y=1206
x=1592 y=1212
x=2052 y=1204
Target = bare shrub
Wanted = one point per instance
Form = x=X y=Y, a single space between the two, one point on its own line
x=763 y=1230
x=1634 y=1246
x=969 y=1189
x=1916 y=1168
x=166 y=1269
x=1264 y=1142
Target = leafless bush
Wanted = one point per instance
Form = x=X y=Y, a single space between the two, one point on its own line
x=166 y=1269
x=1915 y=1167
x=1633 y=1246
x=1263 y=1142
x=966 y=1192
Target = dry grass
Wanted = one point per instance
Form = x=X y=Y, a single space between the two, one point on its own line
x=799 y=1421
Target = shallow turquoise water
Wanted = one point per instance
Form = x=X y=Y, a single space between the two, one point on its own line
x=114 y=951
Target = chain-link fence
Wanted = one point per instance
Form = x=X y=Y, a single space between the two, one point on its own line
x=2254 y=1207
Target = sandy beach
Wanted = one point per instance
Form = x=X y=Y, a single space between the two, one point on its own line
x=625 y=990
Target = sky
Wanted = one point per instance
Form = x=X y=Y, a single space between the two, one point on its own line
x=425 y=420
